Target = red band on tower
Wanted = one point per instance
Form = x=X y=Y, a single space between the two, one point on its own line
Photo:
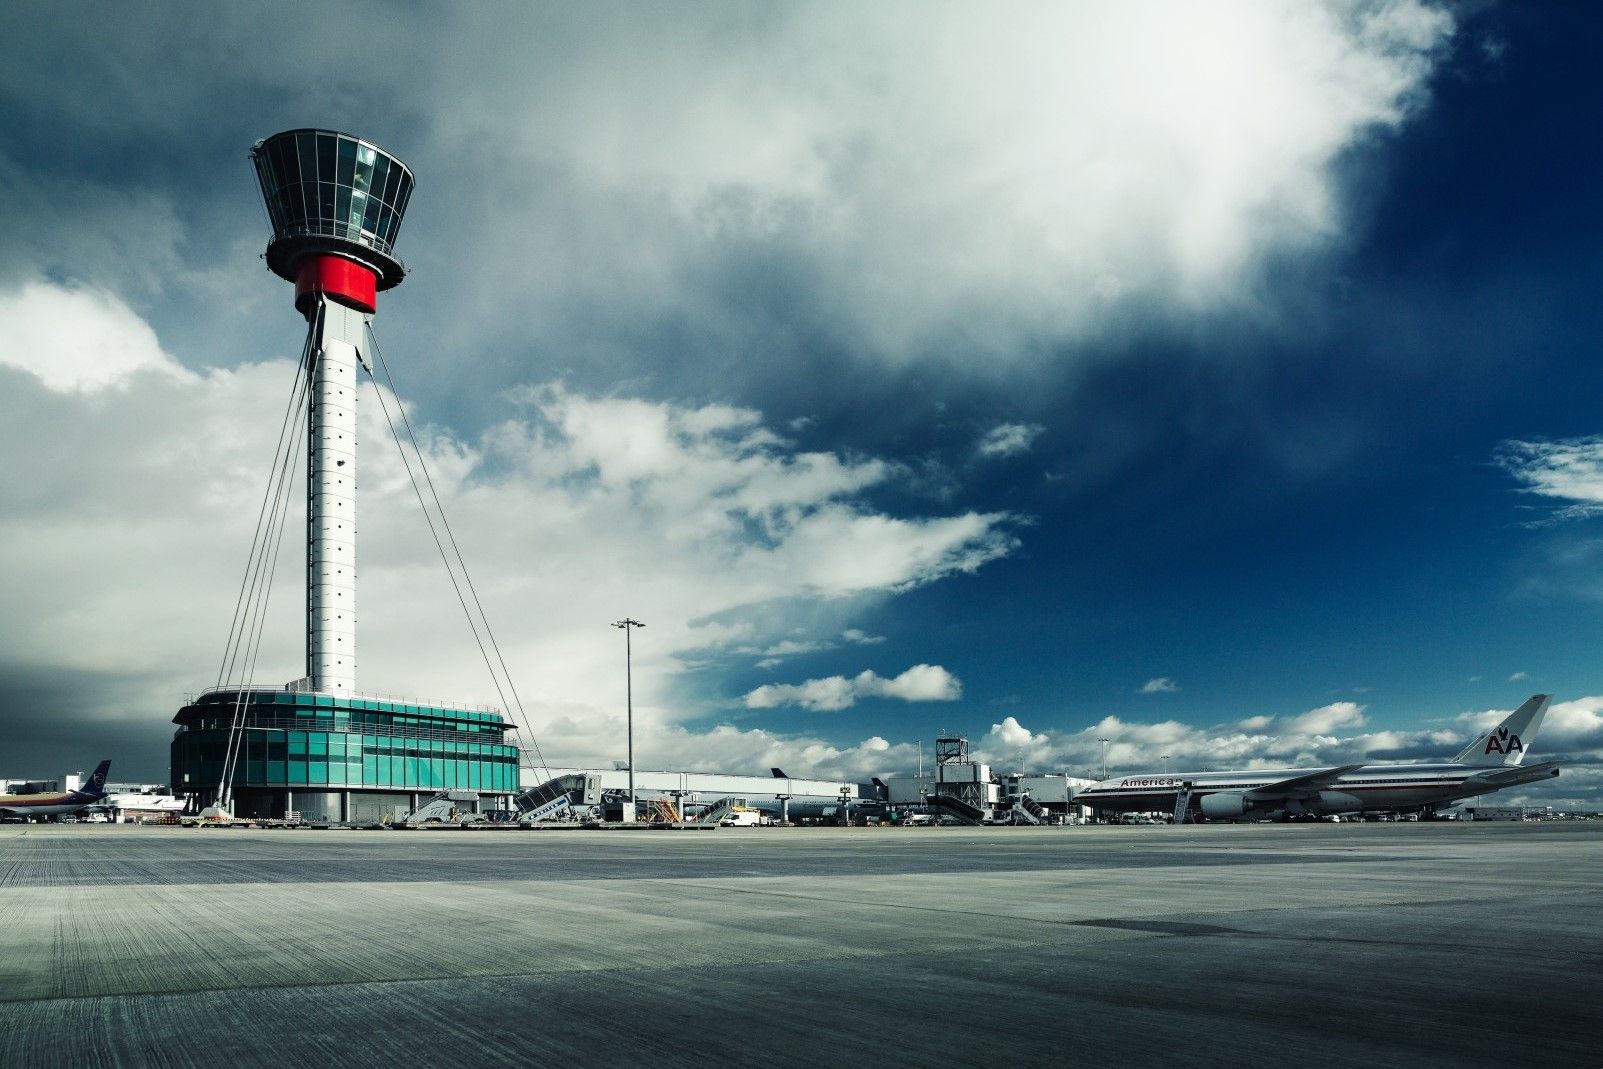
x=342 y=280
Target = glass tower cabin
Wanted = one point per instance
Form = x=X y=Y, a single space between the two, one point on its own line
x=328 y=192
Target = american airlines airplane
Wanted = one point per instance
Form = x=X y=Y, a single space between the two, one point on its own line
x=50 y=805
x=1490 y=763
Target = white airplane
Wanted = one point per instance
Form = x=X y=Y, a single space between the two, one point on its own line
x=1490 y=763
x=52 y=805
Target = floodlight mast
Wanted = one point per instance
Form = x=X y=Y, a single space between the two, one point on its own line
x=336 y=203
x=628 y=627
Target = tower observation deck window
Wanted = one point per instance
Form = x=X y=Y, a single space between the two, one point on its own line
x=319 y=183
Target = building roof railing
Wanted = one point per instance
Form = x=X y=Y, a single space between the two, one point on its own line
x=418 y=704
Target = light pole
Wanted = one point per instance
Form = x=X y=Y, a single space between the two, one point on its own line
x=629 y=625
x=1165 y=760
x=1104 y=743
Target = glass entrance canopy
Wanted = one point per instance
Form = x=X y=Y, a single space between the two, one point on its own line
x=332 y=192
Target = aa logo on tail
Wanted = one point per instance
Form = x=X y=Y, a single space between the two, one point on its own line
x=1503 y=742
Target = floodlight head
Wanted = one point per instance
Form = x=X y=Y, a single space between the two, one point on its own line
x=336 y=204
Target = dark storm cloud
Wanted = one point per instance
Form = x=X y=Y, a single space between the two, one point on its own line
x=56 y=720
x=699 y=200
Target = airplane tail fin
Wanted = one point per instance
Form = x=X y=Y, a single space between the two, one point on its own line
x=779 y=773
x=1507 y=743
x=96 y=785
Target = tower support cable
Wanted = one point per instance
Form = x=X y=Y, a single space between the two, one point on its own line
x=489 y=632
x=246 y=629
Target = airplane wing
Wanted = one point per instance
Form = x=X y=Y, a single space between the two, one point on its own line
x=1307 y=783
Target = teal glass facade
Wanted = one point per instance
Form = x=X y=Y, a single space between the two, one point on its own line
x=318 y=742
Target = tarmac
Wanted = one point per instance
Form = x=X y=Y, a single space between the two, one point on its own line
x=1334 y=945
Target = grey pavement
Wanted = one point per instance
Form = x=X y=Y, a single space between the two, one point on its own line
x=1336 y=945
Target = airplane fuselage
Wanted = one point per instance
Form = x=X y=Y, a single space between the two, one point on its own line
x=30 y=806
x=1370 y=787
x=43 y=805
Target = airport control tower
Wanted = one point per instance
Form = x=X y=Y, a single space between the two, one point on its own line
x=336 y=203
x=317 y=748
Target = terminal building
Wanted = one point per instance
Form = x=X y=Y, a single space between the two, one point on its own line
x=959 y=790
x=339 y=758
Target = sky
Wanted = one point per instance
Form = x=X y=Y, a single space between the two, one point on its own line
x=1217 y=380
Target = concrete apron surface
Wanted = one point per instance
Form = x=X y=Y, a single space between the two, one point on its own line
x=1347 y=945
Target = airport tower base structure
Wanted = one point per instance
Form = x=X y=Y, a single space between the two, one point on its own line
x=316 y=746
x=340 y=758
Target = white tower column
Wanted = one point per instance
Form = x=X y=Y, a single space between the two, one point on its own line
x=331 y=501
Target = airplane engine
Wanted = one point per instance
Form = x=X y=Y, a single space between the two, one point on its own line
x=1225 y=805
x=1335 y=802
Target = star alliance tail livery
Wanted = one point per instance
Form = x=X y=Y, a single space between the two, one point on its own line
x=50 y=805
x=1490 y=763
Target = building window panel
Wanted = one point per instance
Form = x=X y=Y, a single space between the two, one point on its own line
x=380 y=174
x=325 y=158
x=347 y=162
x=363 y=177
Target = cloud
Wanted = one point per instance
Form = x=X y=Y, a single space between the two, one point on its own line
x=1327 y=718
x=1517 y=676
x=732 y=749
x=1567 y=469
x=131 y=498
x=1008 y=439
x=709 y=201
x=790 y=647
x=775 y=655
x=920 y=683
x=77 y=339
x=1180 y=177
x=1159 y=685
x=952 y=183
x=1012 y=733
